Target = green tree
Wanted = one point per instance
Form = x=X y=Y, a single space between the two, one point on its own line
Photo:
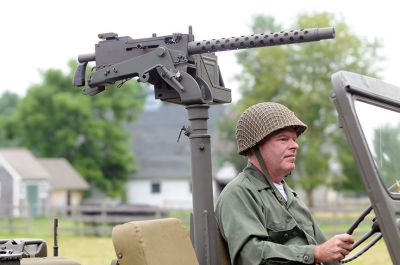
x=56 y=120
x=349 y=180
x=227 y=151
x=386 y=146
x=298 y=76
x=8 y=103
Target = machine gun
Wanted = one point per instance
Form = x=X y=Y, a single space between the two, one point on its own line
x=182 y=70
x=185 y=72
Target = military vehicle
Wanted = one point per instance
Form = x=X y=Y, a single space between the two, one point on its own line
x=185 y=72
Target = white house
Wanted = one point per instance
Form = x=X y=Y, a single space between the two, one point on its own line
x=23 y=182
x=164 y=171
x=67 y=186
x=29 y=185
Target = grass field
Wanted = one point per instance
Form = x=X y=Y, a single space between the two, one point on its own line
x=94 y=250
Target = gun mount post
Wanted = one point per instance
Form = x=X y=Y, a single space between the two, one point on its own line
x=204 y=226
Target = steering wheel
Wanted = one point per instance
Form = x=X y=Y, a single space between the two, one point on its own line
x=374 y=229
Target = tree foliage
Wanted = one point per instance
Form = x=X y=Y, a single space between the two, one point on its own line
x=54 y=119
x=298 y=76
x=8 y=103
x=386 y=145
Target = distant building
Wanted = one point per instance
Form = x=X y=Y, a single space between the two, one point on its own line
x=67 y=186
x=29 y=185
x=164 y=165
x=23 y=182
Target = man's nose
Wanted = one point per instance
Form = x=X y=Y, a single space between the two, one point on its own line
x=294 y=144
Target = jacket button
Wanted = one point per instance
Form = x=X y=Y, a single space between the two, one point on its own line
x=286 y=236
x=305 y=258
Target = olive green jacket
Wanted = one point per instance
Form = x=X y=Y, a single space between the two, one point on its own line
x=261 y=228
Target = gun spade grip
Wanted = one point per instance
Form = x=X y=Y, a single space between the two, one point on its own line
x=79 y=77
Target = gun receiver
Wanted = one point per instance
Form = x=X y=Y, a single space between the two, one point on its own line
x=182 y=70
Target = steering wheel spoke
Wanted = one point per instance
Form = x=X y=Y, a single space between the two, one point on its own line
x=374 y=229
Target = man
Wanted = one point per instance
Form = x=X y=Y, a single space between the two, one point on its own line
x=262 y=220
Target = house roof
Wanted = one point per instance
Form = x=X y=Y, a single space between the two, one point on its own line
x=155 y=133
x=63 y=175
x=25 y=163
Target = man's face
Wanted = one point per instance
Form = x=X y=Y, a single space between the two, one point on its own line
x=279 y=153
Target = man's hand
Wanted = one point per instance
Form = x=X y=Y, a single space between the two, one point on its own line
x=335 y=249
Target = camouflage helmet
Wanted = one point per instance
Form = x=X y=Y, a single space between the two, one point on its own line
x=262 y=119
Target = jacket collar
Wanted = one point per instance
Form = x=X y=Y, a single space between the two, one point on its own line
x=259 y=179
x=261 y=183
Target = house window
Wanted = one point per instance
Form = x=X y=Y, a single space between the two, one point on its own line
x=155 y=187
x=190 y=187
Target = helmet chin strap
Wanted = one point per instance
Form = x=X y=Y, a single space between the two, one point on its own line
x=262 y=164
x=264 y=170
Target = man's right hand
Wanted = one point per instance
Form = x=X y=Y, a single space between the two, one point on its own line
x=334 y=249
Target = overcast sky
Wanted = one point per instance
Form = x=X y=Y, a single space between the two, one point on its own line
x=42 y=34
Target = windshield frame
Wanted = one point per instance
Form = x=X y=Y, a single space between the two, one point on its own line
x=348 y=87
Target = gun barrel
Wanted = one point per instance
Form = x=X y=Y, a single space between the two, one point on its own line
x=85 y=58
x=260 y=40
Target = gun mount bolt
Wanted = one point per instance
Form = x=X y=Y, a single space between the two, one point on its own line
x=115 y=70
x=120 y=255
x=202 y=147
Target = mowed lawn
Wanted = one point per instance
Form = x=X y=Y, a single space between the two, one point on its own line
x=95 y=250
x=87 y=250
